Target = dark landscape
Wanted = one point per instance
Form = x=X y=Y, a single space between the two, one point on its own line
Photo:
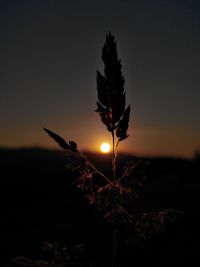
x=38 y=203
x=99 y=73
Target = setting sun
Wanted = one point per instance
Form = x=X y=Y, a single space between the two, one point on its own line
x=105 y=147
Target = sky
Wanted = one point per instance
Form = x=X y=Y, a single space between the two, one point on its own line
x=50 y=52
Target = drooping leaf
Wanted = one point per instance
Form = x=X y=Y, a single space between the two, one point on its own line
x=75 y=160
x=73 y=145
x=122 y=128
x=61 y=142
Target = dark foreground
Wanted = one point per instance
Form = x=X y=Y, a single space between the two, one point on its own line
x=38 y=204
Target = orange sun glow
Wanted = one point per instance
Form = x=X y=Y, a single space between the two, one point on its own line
x=105 y=147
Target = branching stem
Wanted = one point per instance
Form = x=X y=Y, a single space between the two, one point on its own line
x=100 y=173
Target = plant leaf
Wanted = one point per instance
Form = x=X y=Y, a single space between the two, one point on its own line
x=102 y=89
x=105 y=115
x=61 y=142
x=110 y=86
x=122 y=128
x=73 y=145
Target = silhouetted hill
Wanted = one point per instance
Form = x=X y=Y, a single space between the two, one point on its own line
x=38 y=203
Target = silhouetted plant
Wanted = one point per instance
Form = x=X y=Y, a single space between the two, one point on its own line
x=116 y=197
x=58 y=256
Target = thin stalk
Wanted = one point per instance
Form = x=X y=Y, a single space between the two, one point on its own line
x=100 y=173
x=113 y=158
x=114 y=263
x=116 y=147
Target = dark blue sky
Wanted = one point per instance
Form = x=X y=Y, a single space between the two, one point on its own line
x=50 y=51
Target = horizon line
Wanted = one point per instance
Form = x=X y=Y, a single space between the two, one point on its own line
x=138 y=155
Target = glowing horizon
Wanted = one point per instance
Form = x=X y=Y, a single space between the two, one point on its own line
x=53 y=83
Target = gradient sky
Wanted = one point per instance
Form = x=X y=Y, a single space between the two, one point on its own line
x=50 y=51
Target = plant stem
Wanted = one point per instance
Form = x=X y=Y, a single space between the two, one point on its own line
x=114 y=149
x=114 y=263
x=100 y=173
x=113 y=158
